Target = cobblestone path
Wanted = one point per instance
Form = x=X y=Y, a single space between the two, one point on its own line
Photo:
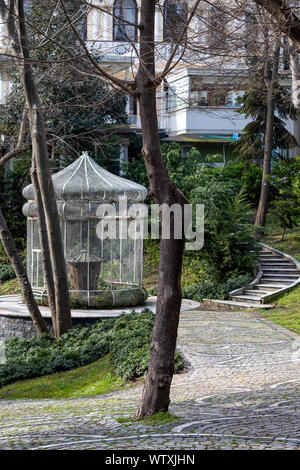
x=241 y=391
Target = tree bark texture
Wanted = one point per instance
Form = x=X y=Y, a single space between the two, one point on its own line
x=40 y=151
x=156 y=393
x=11 y=251
x=286 y=16
x=271 y=75
x=46 y=260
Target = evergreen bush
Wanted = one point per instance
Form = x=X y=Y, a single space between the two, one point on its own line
x=126 y=339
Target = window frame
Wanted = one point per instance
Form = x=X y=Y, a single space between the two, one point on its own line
x=117 y=23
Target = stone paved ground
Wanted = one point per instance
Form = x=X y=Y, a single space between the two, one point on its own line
x=241 y=392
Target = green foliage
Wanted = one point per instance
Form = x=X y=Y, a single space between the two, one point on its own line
x=80 y=111
x=212 y=290
x=227 y=192
x=285 y=206
x=11 y=199
x=179 y=168
x=126 y=338
x=94 y=379
x=229 y=248
x=6 y=272
x=159 y=418
x=254 y=105
x=285 y=214
x=151 y=250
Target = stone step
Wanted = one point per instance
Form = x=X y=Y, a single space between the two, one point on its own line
x=270 y=255
x=274 y=261
x=273 y=270
x=251 y=298
x=277 y=264
x=279 y=279
x=283 y=276
x=272 y=287
x=233 y=304
x=257 y=292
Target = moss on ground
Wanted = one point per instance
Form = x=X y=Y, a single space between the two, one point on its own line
x=158 y=418
x=94 y=379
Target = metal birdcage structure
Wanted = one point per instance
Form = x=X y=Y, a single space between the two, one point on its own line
x=102 y=218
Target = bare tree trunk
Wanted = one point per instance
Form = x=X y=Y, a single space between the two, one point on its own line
x=295 y=67
x=40 y=151
x=46 y=260
x=156 y=393
x=11 y=251
x=271 y=75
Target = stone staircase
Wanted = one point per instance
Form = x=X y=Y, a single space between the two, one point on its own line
x=278 y=273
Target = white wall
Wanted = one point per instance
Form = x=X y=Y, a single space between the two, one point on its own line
x=208 y=121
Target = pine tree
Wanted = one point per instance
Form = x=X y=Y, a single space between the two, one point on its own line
x=254 y=106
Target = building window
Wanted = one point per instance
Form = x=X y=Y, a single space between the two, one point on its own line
x=217 y=28
x=125 y=20
x=251 y=32
x=175 y=18
x=82 y=24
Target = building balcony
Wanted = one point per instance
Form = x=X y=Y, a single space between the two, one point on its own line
x=204 y=123
x=135 y=122
x=114 y=48
x=115 y=56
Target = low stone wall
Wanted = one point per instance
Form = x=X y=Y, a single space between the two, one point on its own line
x=15 y=320
x=23 y=327
x=20 y=327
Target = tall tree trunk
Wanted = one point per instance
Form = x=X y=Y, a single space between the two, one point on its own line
x=156 y=393
x=295 y=67
x=40 y=151
x=271 y=75
x=11 y=251
x=46 y=260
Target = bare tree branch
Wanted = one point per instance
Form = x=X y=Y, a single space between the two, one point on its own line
x=20 y=147
x=123 y=84
x=287 y=20
x=166 y=70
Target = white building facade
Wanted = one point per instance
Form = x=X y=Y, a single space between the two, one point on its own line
x=198 y=101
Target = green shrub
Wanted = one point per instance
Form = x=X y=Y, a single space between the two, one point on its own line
x=6 y=272
x=210 y=290
x=229 y=248
x=126 y=338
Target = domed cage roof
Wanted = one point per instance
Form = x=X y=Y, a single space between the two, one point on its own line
x=85 y=180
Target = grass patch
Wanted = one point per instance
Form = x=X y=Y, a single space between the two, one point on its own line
x=94 y=379
x=10 y=287
x=126 y=419
x=287 y=311
x=287 y=307
x=291 y=242
x=126 y=338
x=158 y=418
